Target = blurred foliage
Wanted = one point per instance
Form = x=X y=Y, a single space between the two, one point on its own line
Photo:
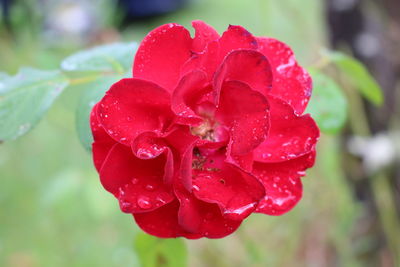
x=53 y=209
x=328 y=104
x=25 y=98
x=154 y=252
x=358 y=75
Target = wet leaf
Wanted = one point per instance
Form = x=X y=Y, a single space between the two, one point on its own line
x=25 y=98
x=359 y=76
x=328 y=104
x=91 y=94
x=156 y=252
x=115 y=58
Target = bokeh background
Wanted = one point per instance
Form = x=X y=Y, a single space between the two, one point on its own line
x=53 y=211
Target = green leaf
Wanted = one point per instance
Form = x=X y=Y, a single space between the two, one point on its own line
x=109 y=63
x=24 y=99
x=158 y=252
x=115 y=58
x=358 y=76
x=328 y=104
x=91 y=94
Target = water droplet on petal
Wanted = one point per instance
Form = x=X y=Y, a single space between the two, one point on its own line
x=149 y=187
x=144 y=202
x=160 y=200
x=126 y=206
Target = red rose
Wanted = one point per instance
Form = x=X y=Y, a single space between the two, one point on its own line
x=208 y=131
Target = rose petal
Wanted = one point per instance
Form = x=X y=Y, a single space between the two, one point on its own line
x=291 y=82
x=203 y=218
x=248 y=66
x=234 y=38
x=102 y=141
x=189 y=90
x=236 y=192
x=177 y=144
x=148 y=145
x=138 y=184
x=245 y=111
x=290 y=136
x=283 y=187
x=163 y=222
x=182 y=142
x=207 y=61
x=161 y=55
x=244 y=161
x=133 y=106
x=203 y=35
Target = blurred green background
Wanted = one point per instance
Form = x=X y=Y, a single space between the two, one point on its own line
x=54 y=212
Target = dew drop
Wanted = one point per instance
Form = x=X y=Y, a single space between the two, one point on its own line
x=160 y=200
x=126 y=206
x=149 y=187
x=144 y=202
x=266 y=155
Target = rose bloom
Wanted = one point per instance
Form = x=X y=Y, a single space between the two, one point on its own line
x=209 y=130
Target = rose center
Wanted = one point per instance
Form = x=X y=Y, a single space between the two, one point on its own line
x=204 y=130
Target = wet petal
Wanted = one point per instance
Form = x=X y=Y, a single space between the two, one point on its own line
x=188 y=92
x=243 y=161
x=289 y=136
x=102 y=141
x=133 y=106
x=177 y=145
x=236 y=192
x=148 y=145
x=138 y=184
x=248 y=66
x=291 y=82
x=234 y=38
x=163 y=222
x=283 y=187
x=207 y=61
x=161 y=55
x=203 y=35
x=203 y=218
x=245 y=112
x=181 y=142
